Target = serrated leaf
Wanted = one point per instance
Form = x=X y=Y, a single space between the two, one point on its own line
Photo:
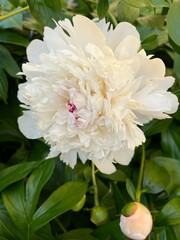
x=170 y=213
x=8 y=63
x=44 y=11
x=35 y=184
x=3 y=85
x=60 y=201
x=13 y=38
x=102 y=8
x=156 y=178
x=173 y=22
x=15 y=173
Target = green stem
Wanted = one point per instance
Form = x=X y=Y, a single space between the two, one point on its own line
x=96 y=199
x=138 y=189
x=113 y=19
x=13 y=13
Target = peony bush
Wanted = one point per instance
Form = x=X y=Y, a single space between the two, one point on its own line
x=89 y=120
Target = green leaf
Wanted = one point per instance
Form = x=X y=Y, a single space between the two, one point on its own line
x=110 y=230
x=44 y=11
x=172 y=166
x=13 y=38
x=102 y=8
x=177 y=65
x=156 y=126
x=160 y=3
x=139 y=4
x=170 y=213
x=118 y=197
x=171 y=233
x=156 y=178
x=130 y=189
x=151 y=21
x=127 y=13
x=77 y=234
x=8 y=63
x=43 y=233
x=35 y=184
x=15 y=173
x=173 y=22
x=14 y=2
x=12 y=22
x=150 y=43
x=60 y=201
x=118 y=175
x=3 y=85
x=170 y=140
x=13 y=198
x=7 y=228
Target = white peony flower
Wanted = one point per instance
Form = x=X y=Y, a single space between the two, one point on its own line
x=138 y=224
x=88 y=90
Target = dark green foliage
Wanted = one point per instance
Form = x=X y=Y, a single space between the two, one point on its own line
x=37 y=194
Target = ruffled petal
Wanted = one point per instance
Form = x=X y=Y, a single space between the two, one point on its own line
x=35 y=49
x=122 y=31
x=124 y=155
x=70 y=158
x=105 y=166
x=28 y=126
x=88 y=31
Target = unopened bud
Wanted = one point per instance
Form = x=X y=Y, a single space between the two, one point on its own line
x=99 y=215
x=136 y=221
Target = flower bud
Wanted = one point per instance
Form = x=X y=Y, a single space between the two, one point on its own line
x=136 y=221
x=99 y=215
x=77 y=207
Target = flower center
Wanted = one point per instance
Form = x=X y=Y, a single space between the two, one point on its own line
x=71 y=107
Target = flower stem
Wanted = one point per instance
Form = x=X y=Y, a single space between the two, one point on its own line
x=113 y=19
x=96 y=199
x=13 y=13
x=138 y=189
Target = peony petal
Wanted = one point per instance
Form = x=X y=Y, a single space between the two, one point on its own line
x=105 y=166
x=153 y=68
x=124 y=155
x=127 y=48
x=88 y=31
x=53 y=40
x=35 y=49
x=122 y=31
x=28 y=125
x=70 y=158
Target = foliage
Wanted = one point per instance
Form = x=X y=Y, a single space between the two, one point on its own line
x=38 y=195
